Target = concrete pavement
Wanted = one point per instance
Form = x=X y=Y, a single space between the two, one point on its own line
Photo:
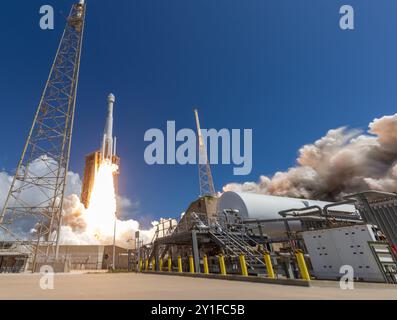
x=133 y=286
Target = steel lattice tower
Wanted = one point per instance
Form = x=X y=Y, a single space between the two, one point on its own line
x=33 y=206
x=205 y=175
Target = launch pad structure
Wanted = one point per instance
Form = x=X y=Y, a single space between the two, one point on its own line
x=322 y=239
x=272 y=237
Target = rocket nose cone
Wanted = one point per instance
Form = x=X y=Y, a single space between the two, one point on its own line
x=111 y=98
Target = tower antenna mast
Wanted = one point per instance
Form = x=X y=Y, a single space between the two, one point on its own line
x=205 y=175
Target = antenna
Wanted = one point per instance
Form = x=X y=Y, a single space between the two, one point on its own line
x=205 y=175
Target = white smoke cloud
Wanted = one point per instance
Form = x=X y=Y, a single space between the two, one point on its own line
x=73 y=230
x=5 y=183
x=343 y=161
x=74 y=227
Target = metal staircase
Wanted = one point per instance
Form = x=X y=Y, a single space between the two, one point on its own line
x=230 y=236
x=235 y=244
x=164 y=228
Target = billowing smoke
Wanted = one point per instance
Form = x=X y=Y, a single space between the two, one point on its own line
x=74 y=228
x=343 y=161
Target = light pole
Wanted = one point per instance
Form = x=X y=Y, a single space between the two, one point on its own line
x=137 y=249
x=114 y=242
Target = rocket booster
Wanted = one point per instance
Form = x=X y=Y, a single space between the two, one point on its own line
x=108 y=142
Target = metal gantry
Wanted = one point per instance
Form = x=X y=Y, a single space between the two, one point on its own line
x=34 y=203
x=205 y=175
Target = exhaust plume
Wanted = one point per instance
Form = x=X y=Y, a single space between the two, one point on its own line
x=343 y=161
x=75 y=229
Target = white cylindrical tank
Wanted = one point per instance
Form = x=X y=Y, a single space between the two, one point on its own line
x=259 y=206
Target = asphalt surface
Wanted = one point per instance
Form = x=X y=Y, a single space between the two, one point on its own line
x=131 y=286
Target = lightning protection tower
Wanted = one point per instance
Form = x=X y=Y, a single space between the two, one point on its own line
x=33 y=208
x=205 y=175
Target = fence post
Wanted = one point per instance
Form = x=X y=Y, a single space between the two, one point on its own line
x=179 y=264
x=205 y=262
x=302 y=265
x=269 y=265
x=243 y=265
x=191 y=264
x=222 y=264
x=169 y=264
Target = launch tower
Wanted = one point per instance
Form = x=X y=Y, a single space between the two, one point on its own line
x=43 y=166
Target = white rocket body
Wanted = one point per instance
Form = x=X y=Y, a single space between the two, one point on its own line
x=107 y=143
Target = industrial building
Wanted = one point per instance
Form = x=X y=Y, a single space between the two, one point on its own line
x=277 y=237
x=93 y=257
x=11 y=259
x=16 y=258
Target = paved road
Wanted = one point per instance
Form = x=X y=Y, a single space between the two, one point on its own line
x=148 y=286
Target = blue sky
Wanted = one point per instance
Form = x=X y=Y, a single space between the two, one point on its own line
x=283 y=68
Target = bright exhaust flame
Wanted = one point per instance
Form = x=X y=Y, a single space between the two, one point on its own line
x=101 y=213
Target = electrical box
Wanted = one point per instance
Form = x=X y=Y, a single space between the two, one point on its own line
x=330 y=249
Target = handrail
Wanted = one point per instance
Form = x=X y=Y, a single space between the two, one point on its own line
x=241 y=246
x=292 y=212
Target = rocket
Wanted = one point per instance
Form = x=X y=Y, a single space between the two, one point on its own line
x=105 y=154
x=108 y=142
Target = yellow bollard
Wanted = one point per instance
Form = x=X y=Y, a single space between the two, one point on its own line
x=146 y=264
x=169 y=264
x=205 y=262
x=191 y=264
x=161 y=264
x=269 y=265
x=222 y=265
x=140 y=265
x=302 y=265
x=153 y=264
x=179 y=264
x=243 y=265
